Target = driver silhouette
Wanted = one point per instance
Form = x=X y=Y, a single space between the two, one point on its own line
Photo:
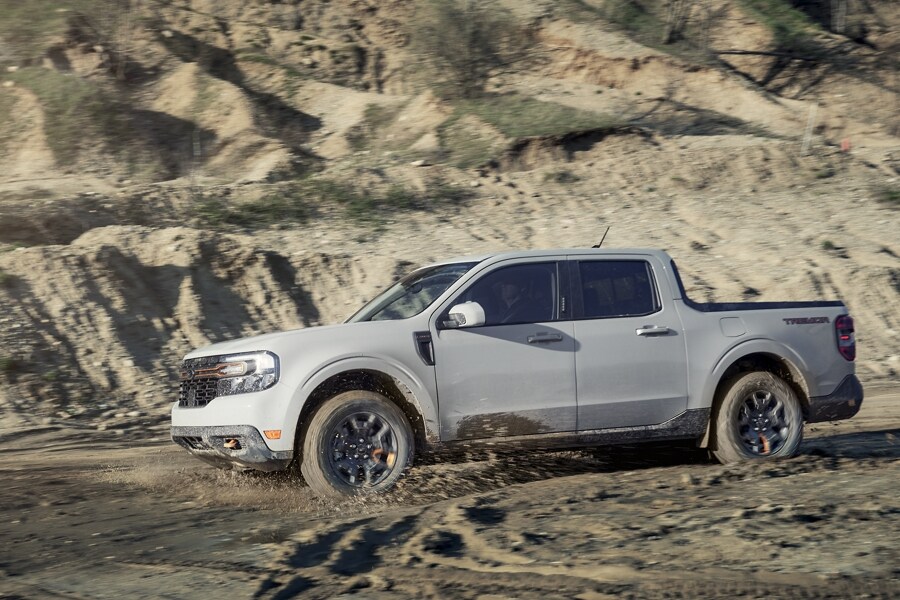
x=516 y=303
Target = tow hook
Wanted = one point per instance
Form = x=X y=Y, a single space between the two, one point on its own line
x=232 y=444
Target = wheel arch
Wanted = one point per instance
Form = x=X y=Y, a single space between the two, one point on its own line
x=370 y=375
x=780 y=362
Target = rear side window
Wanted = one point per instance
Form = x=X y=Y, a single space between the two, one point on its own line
x=617 y=288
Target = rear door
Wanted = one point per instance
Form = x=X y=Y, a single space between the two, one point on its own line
x=630 y=361
x=515 y=375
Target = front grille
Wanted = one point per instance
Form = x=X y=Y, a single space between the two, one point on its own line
x=197 y=392
x=194 y=391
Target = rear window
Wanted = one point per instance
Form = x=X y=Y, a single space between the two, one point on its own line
x=617 y=288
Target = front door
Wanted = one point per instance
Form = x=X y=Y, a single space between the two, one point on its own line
x=515 y=375
x=631 y=363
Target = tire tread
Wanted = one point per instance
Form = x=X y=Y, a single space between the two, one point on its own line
x=317 y=475
x=725 y=446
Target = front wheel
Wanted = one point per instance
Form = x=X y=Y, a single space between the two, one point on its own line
x=759 y=417
x=358 y=442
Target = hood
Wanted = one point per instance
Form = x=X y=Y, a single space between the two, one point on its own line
x=286 y=343
x=268 y=341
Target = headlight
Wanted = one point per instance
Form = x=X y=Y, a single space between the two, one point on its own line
x=234 y=373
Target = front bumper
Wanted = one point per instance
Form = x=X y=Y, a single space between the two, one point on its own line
x=249 y=451
x=844 y=402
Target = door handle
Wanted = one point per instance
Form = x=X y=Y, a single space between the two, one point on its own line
x=540 y=338
x=652 y=330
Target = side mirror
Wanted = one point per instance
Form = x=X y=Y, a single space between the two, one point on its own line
x=468 y=314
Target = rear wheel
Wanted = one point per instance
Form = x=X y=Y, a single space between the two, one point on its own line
x=759 y=417
x=358 y=442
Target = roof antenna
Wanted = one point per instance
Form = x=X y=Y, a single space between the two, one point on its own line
x=603 y=238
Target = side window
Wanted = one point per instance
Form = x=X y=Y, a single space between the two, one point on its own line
x=617 y=288
x=516 y=294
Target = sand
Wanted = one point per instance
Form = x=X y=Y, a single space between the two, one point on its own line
x=89 y=514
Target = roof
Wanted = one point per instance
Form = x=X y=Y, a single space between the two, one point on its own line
x=556 y=252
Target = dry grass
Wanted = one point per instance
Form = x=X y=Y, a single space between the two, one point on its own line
x=513 y=117
x=74 y=109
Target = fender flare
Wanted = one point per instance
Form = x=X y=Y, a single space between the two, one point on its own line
x=745 y=348
x=419 y=396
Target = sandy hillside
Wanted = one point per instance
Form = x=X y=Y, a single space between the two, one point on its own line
x=272 y=166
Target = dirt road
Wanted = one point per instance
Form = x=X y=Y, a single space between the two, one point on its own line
x=87 y=514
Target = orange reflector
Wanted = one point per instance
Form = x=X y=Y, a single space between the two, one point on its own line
x=272 y=434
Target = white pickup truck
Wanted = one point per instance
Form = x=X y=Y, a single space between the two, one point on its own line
x=539 y=349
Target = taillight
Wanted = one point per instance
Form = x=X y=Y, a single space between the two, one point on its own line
x=846 y=341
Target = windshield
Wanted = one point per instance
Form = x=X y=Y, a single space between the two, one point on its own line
x=412 y=294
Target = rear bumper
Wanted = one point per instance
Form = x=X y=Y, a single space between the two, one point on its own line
x=842 y=403
x=250 y=451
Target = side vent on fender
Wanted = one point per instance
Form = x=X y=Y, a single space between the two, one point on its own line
x=424 y=347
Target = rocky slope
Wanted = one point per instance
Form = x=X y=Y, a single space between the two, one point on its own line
x=258 y=166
